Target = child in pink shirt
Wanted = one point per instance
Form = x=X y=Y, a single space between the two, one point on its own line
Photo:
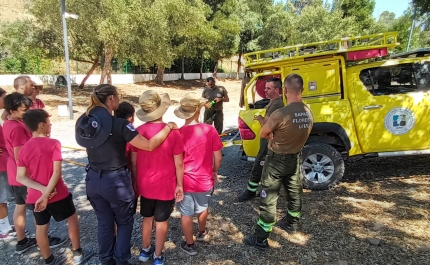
x=159 y=174
x=202 y=159
x=39 y=168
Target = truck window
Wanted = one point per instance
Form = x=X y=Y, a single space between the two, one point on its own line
x=397 y=79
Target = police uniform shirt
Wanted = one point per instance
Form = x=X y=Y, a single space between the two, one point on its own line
x=291 y=126
x=217 y=92
x=111 y=154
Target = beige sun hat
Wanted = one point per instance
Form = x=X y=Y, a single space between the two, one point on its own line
x=189 y=104
x=153 y=105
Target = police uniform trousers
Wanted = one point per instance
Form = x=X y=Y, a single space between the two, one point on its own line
x=112 y=197
x=279 y=170
x=216 y=117
x=257 y=168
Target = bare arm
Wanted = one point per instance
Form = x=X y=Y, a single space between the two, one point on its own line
x=16 y=151
x=149 y=145
x=56 y=176
x=266 y=132
x=179 y=165
x=133 y=160
x=262 y=120
x=21 y=177
x=216 y=165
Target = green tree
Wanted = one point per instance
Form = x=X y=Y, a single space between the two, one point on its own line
x=422 y=6
x=360 y=10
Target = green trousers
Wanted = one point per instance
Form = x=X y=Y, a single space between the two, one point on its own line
x=216 y=117
x=257 y=168
x=279 y=170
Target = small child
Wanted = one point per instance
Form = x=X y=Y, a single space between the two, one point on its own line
x=202 y=159
x=15 y=136
x=159 y=175
x=126 y=111
x=39 y=168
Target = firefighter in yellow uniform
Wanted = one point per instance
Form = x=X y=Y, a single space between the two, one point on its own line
x=288 y=129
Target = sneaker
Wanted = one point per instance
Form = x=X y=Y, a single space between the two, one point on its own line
x=247 y=195
x=85 y=255
x=55 y=242
x=203 y=236
x=159 y=260
x=12 y=233
x=190 y=250
x=58 y=260
x=145 y=255
x=252 y=240
x=19 y=249
x=285 y=225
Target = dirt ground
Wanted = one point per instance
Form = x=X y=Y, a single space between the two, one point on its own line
x=378 y=214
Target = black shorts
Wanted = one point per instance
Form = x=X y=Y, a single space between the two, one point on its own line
x=20 y=194
x=60 y=210
x=161 y=210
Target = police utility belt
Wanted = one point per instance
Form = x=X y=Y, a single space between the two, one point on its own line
x=102 y=171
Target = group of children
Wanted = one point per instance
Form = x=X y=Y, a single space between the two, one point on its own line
x=182 y=170
x=190 y=156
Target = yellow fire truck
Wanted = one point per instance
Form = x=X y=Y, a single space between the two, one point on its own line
x=366 y=101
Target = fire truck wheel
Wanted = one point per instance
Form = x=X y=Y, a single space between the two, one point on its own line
x=322 y=166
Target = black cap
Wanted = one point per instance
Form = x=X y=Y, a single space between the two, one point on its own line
x=92 y=130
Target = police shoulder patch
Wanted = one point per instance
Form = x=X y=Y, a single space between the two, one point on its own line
x=131 y=127
x=94 y=124
x=263 y=194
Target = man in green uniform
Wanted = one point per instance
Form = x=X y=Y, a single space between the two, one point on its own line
x=215 y=95
x=288 y=129
x=273 y=92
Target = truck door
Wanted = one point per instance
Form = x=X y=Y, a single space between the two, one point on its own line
x=389 y=108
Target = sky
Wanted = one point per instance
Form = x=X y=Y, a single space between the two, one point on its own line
x=395 y=6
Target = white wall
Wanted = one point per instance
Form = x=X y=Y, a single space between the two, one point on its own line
x=117 y=79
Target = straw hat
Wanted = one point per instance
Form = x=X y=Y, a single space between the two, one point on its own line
x=190 y=103
x=153 y=105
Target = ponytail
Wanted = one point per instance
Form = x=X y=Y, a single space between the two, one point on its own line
x=100 y=95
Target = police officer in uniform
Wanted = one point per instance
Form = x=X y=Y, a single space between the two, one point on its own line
x=273 y=92
x=108 y=180
x=214 y=112
x=288 y=129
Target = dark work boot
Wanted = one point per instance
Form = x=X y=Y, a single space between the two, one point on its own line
x=287 y=226
x=247 y=195
x=253 y=241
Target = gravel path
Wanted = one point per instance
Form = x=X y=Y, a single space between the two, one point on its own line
x=378 y=215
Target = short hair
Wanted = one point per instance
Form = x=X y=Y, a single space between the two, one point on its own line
x=276 y=81
x=20 y=81
x=15 y=100
x=2 y=92
x=294 y=82
x=125 y=110
x=210 y=78
x=33 y=117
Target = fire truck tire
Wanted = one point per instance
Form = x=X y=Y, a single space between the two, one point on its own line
x=322 y=166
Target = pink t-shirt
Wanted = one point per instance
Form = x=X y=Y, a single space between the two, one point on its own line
x=4 y=155
x=37 y=104
x=38 y=155
x=15 y=134
x=156 y=171
x=200 y=141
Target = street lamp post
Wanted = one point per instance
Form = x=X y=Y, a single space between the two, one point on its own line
x=64 y=15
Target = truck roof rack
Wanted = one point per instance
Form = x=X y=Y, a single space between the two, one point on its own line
x=415 y=53
x=352 y=48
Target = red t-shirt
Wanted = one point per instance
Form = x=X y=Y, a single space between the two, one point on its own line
x=15 y=134
x=200 y=141
x=156 y=171
x=38 y=156
x=4 y=155
x=37 y=104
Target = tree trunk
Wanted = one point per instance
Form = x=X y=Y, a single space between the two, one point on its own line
x=215 y=70
x=160 y=76
x=239 y=64
x=90 y=72
x=201 y=68
x=107 y=68
x=183 y=69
